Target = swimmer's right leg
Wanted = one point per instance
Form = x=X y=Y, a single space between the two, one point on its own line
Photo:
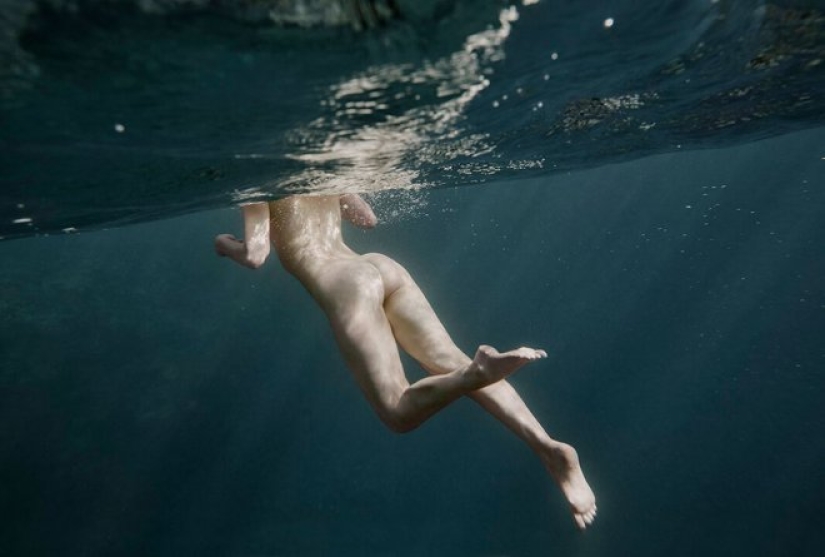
x=253 y=251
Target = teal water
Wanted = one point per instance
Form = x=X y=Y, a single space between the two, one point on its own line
x=652 y=213
x=158 y=400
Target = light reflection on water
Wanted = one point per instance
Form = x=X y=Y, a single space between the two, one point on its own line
x=364 y=140
x=187 y=113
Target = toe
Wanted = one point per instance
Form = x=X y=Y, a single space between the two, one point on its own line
x=532 y=354
x=580 y=521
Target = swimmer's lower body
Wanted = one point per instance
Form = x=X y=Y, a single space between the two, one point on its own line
x=373 y=305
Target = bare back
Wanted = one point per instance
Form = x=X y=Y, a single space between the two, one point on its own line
x=306 y=233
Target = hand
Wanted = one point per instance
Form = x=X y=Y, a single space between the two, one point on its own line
x=357 y=211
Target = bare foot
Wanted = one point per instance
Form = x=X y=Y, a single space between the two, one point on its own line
x=562 y=462
x=493 y=365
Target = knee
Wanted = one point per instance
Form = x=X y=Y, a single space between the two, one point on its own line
x=400 y=426
x=397 y=422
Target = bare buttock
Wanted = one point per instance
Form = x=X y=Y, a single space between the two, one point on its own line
x=393 y=275
x=353 y=281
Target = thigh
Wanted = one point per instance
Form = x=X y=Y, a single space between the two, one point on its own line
x=353 y=302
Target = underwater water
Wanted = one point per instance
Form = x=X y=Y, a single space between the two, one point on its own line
x=645 y=200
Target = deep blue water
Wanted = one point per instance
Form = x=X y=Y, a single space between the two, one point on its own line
x=157 y=400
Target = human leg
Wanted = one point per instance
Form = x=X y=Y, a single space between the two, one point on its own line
x=352 y=294
x=423 y=336
x=254 y=249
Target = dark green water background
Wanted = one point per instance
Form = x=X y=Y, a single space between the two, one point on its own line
x=157 y=400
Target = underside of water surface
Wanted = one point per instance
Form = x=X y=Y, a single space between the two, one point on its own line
x=121 y=111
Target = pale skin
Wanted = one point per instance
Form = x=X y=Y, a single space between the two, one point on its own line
x=373 y=306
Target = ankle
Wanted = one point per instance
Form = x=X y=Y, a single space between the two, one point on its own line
x=473 y=376
x=555 y=453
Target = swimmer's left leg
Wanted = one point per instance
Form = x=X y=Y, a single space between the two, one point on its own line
x=254 y=250
x=420 y=332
